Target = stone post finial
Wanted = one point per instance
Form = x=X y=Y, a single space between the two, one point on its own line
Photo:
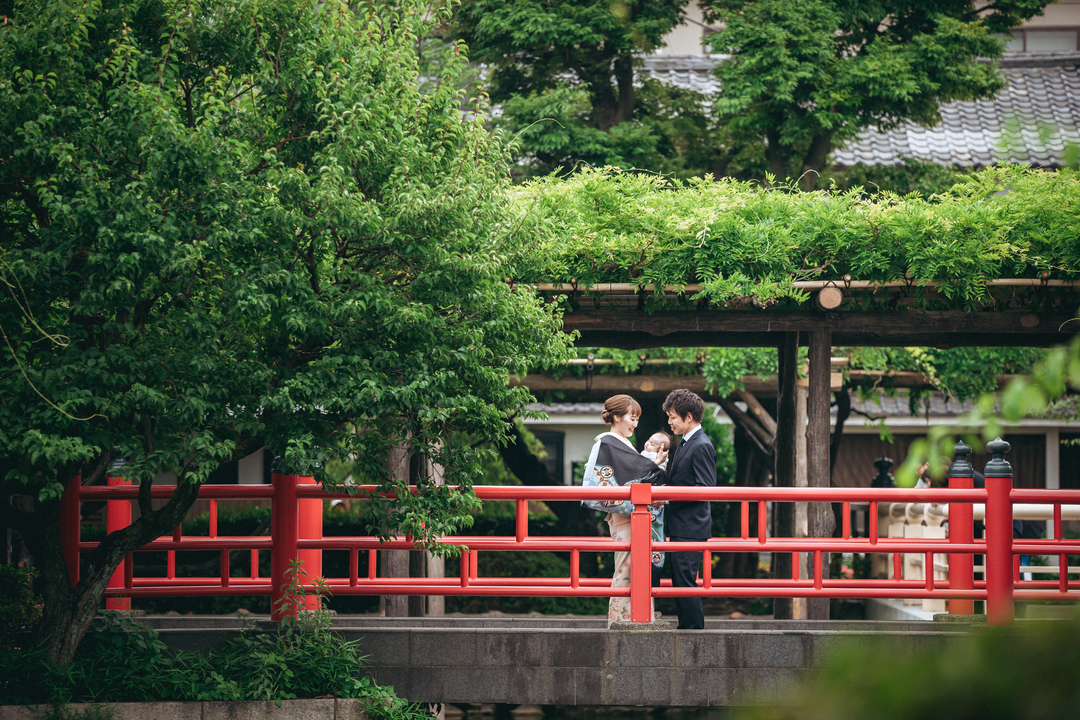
x=998 y=466
x=883 y=478
x=961 y=467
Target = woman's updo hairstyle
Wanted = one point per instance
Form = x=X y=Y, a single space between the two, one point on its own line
x=617 y=406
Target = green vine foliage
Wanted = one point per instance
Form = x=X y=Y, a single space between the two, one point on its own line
x=914 y=176
x=745 y=244
x=962 y=373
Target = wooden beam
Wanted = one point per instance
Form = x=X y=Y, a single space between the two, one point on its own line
x=630 y=328
x=817 y=452
x=759 y=413
x=761 y=438
x=600 y=387
x=784 y=467
x=640 y=386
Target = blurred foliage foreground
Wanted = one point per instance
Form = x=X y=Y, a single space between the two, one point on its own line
x=1025 y=671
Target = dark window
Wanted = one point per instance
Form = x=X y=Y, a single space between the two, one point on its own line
x=553 y=448
x=1069 y=461
x=578 y=471
x=226 y=474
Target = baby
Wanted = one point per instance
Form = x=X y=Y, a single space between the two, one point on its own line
x=658 y=442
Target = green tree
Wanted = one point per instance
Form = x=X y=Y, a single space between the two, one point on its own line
x=234 y=223
x=563 y=74
x=805 y=76
x=531 y=44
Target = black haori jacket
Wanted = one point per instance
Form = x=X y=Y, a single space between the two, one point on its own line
x=613 y=462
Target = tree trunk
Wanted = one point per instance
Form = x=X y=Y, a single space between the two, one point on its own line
x=801 y=480
x=815 y=160
x=719 y=168
x=784 y=468
x=753 y=440
x=624 y=76
x=774 y=154
x=395 y=563
x=749 y=472
x=69 y=610
x=595 y=72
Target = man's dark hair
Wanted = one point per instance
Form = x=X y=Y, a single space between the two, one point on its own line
x=684 y=403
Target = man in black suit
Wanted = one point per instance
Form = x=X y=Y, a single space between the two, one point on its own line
x=693 y=464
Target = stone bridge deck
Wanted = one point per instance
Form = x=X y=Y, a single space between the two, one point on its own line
x=577 y=661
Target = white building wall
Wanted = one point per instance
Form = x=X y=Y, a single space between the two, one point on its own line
x=578 y=441
x=686 y=38
x=1063 y=13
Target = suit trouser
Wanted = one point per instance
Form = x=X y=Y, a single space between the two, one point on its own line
x=684 y=571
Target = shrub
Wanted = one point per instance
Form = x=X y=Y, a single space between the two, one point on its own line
x=20 y=608
x=124 y=661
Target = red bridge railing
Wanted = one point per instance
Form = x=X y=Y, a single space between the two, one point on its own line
x=297 y=533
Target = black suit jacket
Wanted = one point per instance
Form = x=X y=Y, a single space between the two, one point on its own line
x=693 y=465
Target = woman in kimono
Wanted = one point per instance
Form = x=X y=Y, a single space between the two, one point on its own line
x=614 y=461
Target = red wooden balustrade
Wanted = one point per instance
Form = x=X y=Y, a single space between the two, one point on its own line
x=297 y=533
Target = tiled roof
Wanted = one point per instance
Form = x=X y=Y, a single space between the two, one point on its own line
x=1033 y=120
x=690 y=72
x=883 y=406
x=569 y=408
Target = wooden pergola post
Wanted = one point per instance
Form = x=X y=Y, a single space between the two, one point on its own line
x=784 y=469
x=820 y=519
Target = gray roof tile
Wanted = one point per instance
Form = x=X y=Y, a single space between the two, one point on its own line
x=1043 y=90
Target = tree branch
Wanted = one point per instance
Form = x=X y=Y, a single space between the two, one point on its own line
x=99 y=470
x=761 y=438
x=146 y=507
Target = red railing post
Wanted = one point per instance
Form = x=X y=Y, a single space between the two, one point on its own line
x=999 y=560
x=641 y=553
x=71 y=527
x=284 y=518
x=961 y=530
x=118 y=517
x=310 y=528
x=522 y=520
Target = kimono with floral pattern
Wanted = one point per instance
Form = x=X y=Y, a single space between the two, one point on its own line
x=618 y=519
